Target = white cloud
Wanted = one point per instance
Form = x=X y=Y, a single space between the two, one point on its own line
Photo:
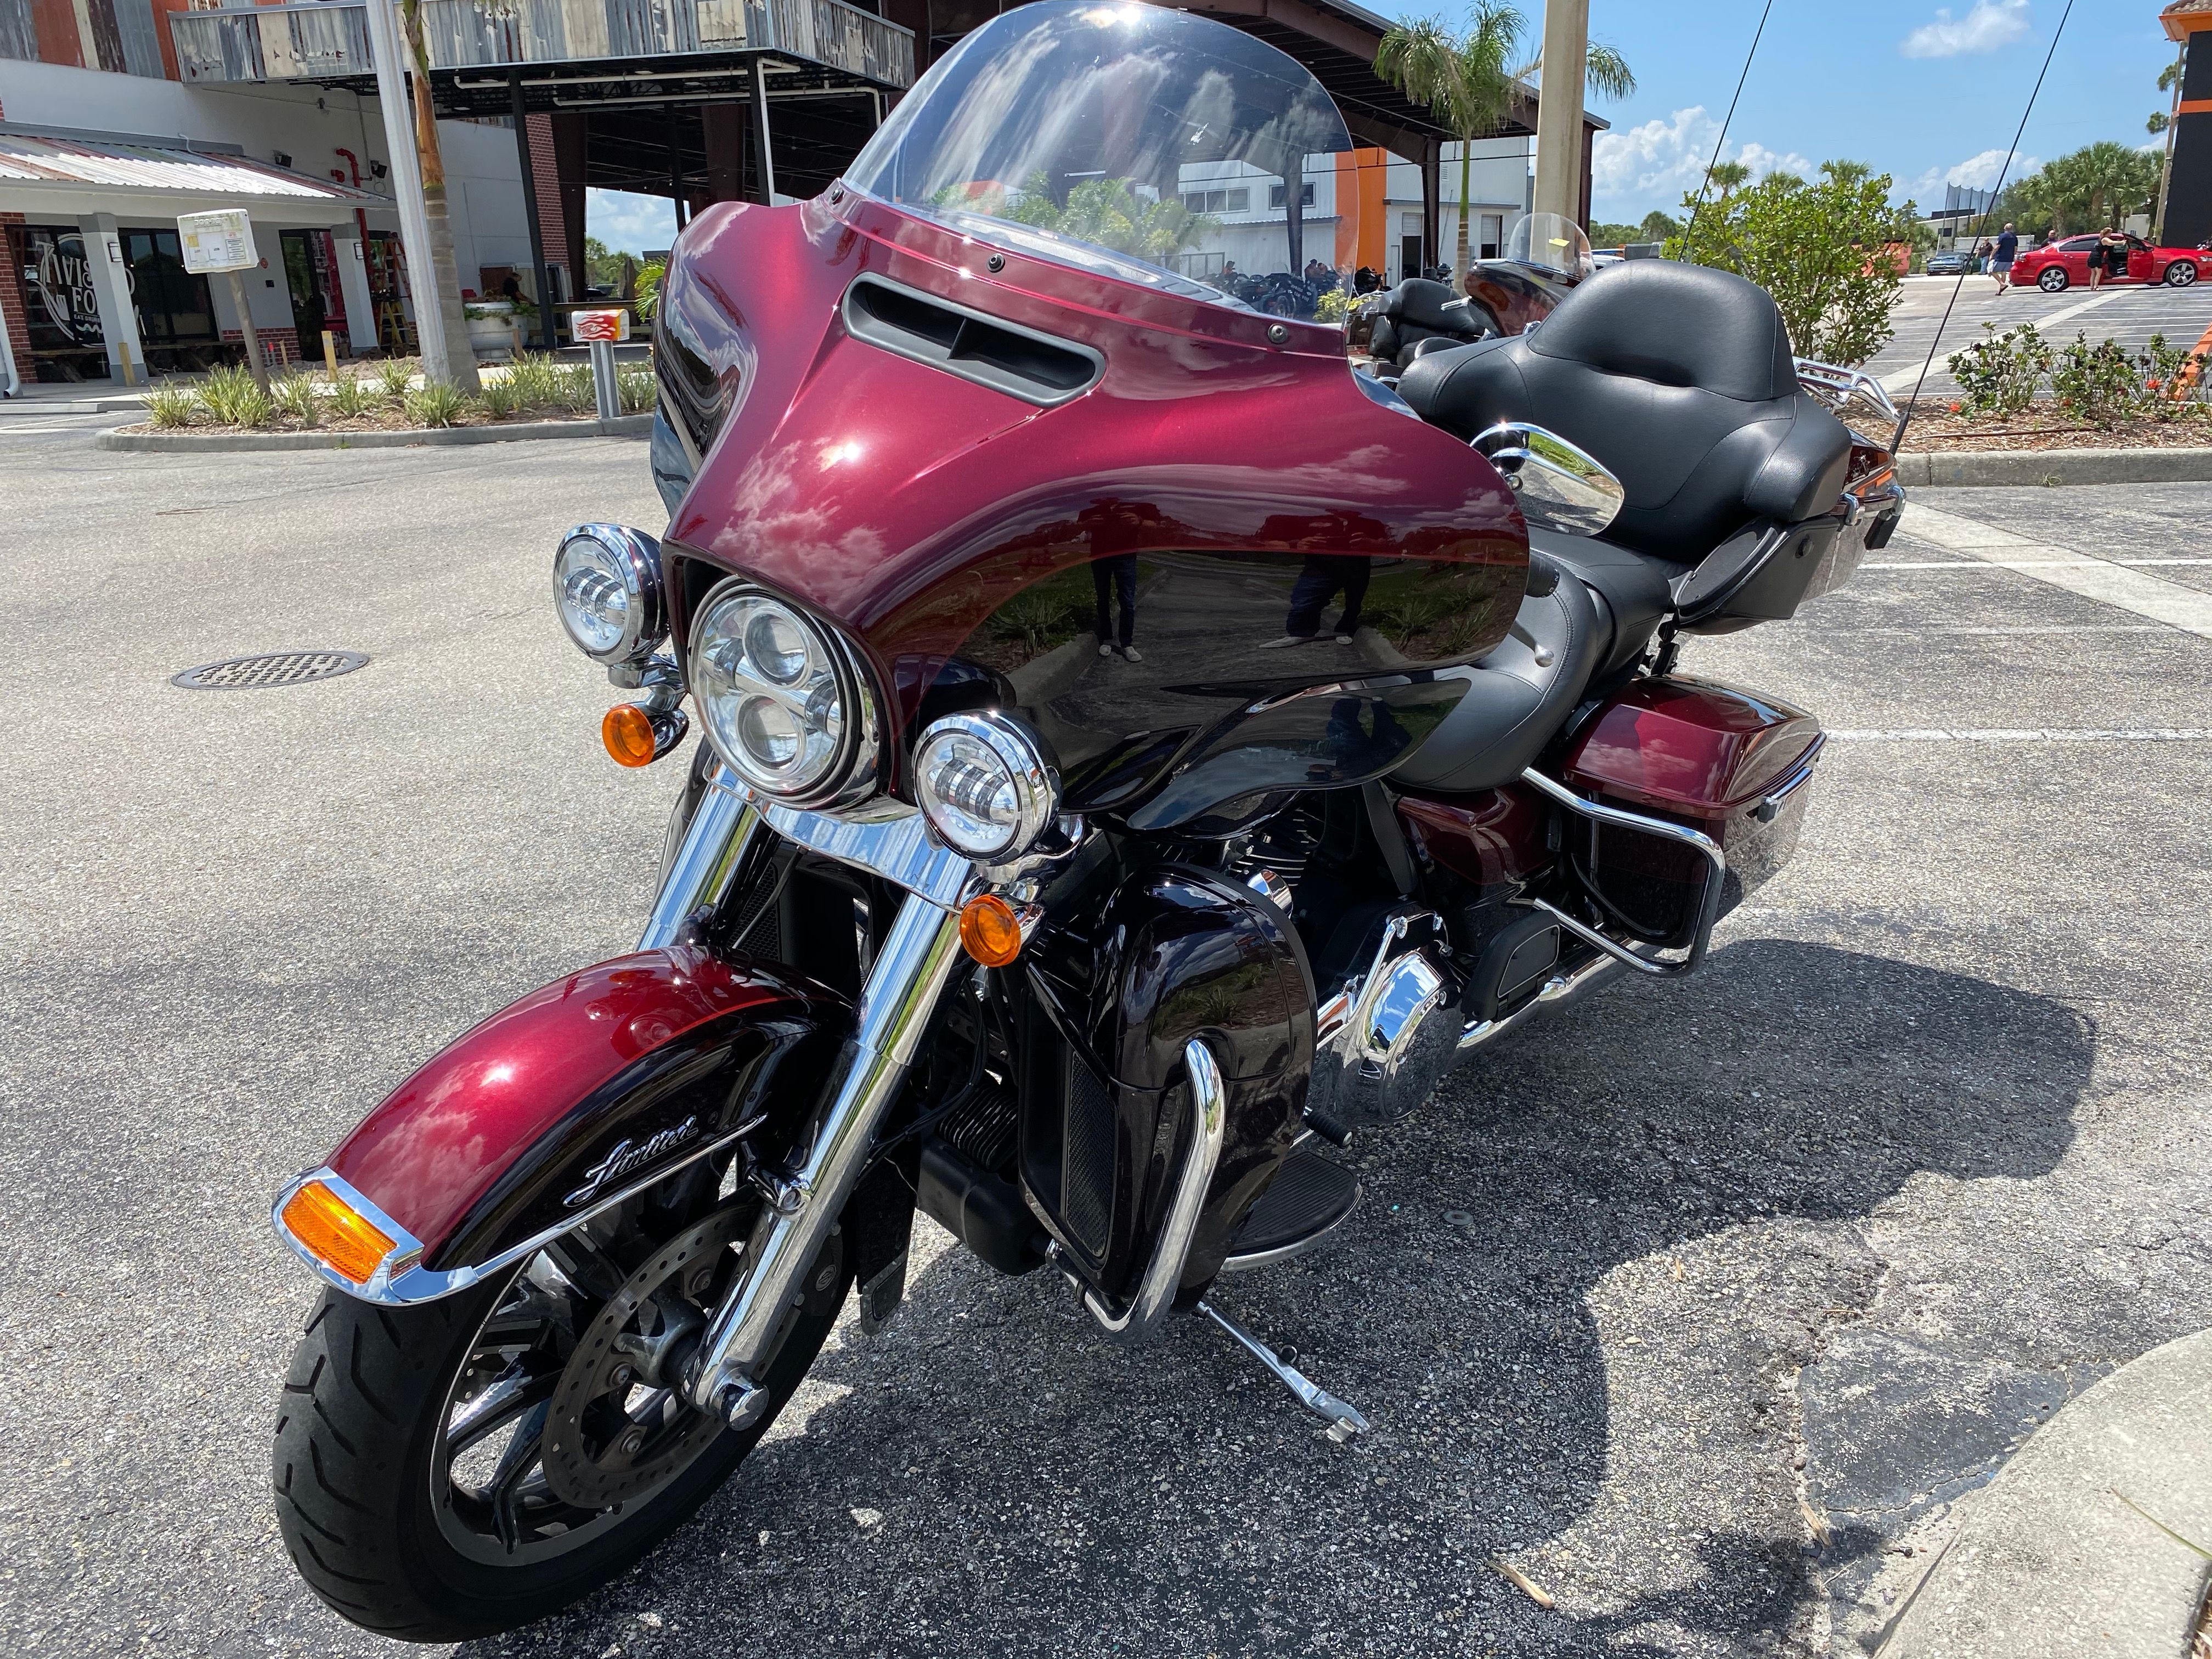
x=1656 y=163
x=1975 y=173
x=628 y=222
x=1991 y=24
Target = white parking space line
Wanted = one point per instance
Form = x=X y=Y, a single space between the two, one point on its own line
x=2025 y=734
x=2082 y=627
x=2118 y=585
x=2020 y=564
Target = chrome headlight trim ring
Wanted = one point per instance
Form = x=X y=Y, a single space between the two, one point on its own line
x=1035 y=782
x=854 y=769
x=635 y=557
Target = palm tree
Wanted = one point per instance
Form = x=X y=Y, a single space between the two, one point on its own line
x=462 y=358
x=1469 y=82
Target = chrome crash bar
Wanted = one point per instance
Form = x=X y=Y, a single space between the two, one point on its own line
x=1709 y=898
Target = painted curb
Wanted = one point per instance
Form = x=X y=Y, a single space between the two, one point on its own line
x=2008 y=468
x=2049 y=1562
x=623 y=425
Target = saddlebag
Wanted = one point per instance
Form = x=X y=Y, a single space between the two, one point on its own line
x=1731 y=763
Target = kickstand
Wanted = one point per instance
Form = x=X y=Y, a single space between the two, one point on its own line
x=1344 y=1420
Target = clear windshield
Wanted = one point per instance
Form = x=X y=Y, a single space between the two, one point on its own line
x=1550 y=243
x=1146 y=145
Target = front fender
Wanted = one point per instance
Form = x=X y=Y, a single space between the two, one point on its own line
x=583 y=1093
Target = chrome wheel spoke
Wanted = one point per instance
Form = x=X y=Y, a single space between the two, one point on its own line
x=514 y=1392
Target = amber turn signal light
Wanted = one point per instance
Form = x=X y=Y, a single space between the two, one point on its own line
x=627 y=733
x=335 y=1233
x=990 y=931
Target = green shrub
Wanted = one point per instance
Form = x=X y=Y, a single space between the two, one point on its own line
x=2172 y=380
x=434 y=402
x=2100 y=384
x=534 y=380
x=575 y=390
x=350 y=397
x=231 y=397
x=635 y=388
x=394 y=377
x=295 y=395
x=1333 y=306
x=498 y=398
x=2000 y=375
x=172 y=405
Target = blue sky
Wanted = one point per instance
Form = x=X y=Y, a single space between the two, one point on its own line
x=1924 y=93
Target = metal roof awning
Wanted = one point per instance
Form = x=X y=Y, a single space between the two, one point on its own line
x=50 y=172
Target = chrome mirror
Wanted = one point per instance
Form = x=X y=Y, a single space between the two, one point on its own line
x=1561 y=487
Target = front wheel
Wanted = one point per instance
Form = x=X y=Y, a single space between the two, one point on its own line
x=2053 y=280
x=2181 y=274
x=462 y=1466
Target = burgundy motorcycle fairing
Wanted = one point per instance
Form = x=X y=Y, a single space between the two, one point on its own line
x=1226 y=474
x=604 y=1081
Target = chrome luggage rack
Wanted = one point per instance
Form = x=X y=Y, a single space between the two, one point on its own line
x=1835 y=388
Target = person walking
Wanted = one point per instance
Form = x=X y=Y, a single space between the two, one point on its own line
x=1983 y=249
x=2008 y=245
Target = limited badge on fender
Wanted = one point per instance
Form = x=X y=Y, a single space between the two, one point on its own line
x=628 y=1155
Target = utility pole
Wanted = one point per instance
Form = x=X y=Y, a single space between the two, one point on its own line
x=390 y=58
x=1559 y=110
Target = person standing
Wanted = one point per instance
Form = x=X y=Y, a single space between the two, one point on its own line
x=1117 y=570
x=2109 y=256
x=1983 y=250
x=2008 y=245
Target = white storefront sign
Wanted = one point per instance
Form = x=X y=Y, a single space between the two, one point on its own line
x=218 y=241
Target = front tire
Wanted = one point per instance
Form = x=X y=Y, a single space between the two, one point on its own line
x=2053 y=279
x=369 y=1488
x=2181 y=274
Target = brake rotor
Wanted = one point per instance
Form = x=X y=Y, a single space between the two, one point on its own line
x=619 y=1423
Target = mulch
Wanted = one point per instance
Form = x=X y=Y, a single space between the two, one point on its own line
x=1935 y=428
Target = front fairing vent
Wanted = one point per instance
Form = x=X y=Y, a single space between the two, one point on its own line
x=1019 y=361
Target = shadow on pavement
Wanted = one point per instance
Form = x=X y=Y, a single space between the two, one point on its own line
x=989 y=1478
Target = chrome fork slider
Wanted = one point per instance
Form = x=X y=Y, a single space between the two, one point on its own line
x=916 y=960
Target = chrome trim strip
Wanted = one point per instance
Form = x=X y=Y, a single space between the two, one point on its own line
x=1156 y=1291
x=1799 y=776
x=920 y=953
x=1557 y=990
x=1708 y=906
x=901 y=850
x=412 y=1282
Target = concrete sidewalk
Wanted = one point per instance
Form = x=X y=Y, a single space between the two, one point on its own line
x=2059 y=1556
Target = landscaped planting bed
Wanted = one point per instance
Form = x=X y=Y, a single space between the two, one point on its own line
x=389 y=397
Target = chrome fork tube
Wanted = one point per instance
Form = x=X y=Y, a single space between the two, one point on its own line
x=916 y=960
x=714 y=841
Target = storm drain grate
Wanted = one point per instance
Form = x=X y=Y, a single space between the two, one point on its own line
x=269 y=668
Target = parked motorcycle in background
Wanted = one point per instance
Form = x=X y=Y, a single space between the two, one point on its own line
x=1140 y=754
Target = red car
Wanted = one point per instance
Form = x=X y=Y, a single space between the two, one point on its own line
x=2060 y=266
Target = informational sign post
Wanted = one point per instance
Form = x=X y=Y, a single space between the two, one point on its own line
x=222 y=243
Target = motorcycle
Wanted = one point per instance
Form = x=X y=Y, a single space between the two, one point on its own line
x=1049 y=864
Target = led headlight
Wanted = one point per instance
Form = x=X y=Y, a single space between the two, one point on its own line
x=606 y=585
x=781 y=703
x=984 y=785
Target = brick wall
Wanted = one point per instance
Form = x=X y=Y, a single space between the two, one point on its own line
x=12 y=314
x=545 y=182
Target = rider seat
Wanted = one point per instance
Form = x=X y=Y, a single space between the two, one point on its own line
x=1680 y=379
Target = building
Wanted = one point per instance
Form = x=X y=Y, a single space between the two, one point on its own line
x=117 y=115
x=107 y=135
x=2187 y=219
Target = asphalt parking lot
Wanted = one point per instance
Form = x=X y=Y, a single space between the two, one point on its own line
x=1699 y=1305
x=2130 y=315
